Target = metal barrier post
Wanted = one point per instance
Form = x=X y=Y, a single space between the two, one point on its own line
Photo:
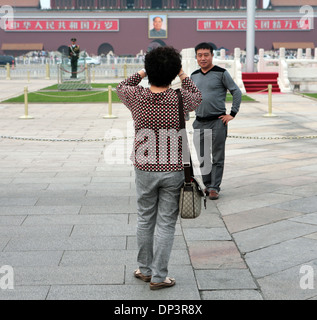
x=109 y=115
x=26 y=105
x=269 y=114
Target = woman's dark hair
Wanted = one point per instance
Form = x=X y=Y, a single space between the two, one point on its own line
x=204 y=45
x=162 y=65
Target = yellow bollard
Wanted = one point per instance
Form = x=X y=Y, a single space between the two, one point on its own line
x=26 y=105
x=8 y=72
x=48 y=73
x=125 y=71
x=93 y=75
x=269 y=114
x=109 y=115
x=86 y=70
x=28 y=75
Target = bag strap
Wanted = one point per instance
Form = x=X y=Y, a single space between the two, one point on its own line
x=181 y=109
x=188 y=168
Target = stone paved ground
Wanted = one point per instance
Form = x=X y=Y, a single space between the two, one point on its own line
x=68 y=213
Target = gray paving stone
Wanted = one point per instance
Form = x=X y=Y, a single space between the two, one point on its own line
x=205 y=220
x=303 y=191
x=312 y=236
x=310 y=218
x=255 y=218
x=124 y=205
x=192 y=234
x=224 y=279
x=106 y=219
x=25 y=293
x=306 y=205
x=48 y=180
x=3 y=242
x=31 y=258
x=104 y=230
x=267 y=235
x=39 y=210
x=122 y=292
x=281 y=256
x=69 y=275
x=18 y=201
x=51 y=243
x=44 y=193
x=253 y=202
x=231 y=295
x=61 y=201
x=11 y=220
x=289 y=283
x=29 y=231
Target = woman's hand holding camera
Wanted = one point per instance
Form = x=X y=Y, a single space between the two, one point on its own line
x=142 y=73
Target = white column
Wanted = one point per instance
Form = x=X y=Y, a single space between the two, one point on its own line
x=250 y=34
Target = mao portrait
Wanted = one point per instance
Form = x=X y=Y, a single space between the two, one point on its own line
x=157 y=26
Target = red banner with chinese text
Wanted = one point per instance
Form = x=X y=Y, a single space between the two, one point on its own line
x=63 y=25
x=260 y=24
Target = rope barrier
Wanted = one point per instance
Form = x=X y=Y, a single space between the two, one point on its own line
x=80 y=71
x=273 y=138
x=132 y=137
x=260 y=91
x=79 y=96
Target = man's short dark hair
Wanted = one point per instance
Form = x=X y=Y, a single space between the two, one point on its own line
x=158 y=17
x=204 y=45
x=162 y=65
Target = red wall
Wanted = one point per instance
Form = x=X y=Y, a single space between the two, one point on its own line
x=133 y=37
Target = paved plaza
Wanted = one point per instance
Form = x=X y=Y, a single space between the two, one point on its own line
x=68 y=206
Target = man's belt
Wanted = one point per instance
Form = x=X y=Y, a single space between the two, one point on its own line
x=210 y=118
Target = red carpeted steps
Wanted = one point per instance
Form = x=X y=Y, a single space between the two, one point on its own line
x=257 y=81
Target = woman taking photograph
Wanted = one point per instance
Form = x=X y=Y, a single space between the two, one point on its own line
x=158 y=163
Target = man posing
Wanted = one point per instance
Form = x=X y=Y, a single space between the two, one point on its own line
x=211 y=119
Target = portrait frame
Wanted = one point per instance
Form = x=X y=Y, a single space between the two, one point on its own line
x=163 y=31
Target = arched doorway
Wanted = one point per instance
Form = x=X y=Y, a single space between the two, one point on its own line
x=105 y=48
x=63 y=50
x=155 y=44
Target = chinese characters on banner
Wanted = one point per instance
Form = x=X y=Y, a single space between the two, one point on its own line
x=260 y=25
x=63 y=25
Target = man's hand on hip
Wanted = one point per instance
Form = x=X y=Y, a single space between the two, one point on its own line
x=225 y=119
